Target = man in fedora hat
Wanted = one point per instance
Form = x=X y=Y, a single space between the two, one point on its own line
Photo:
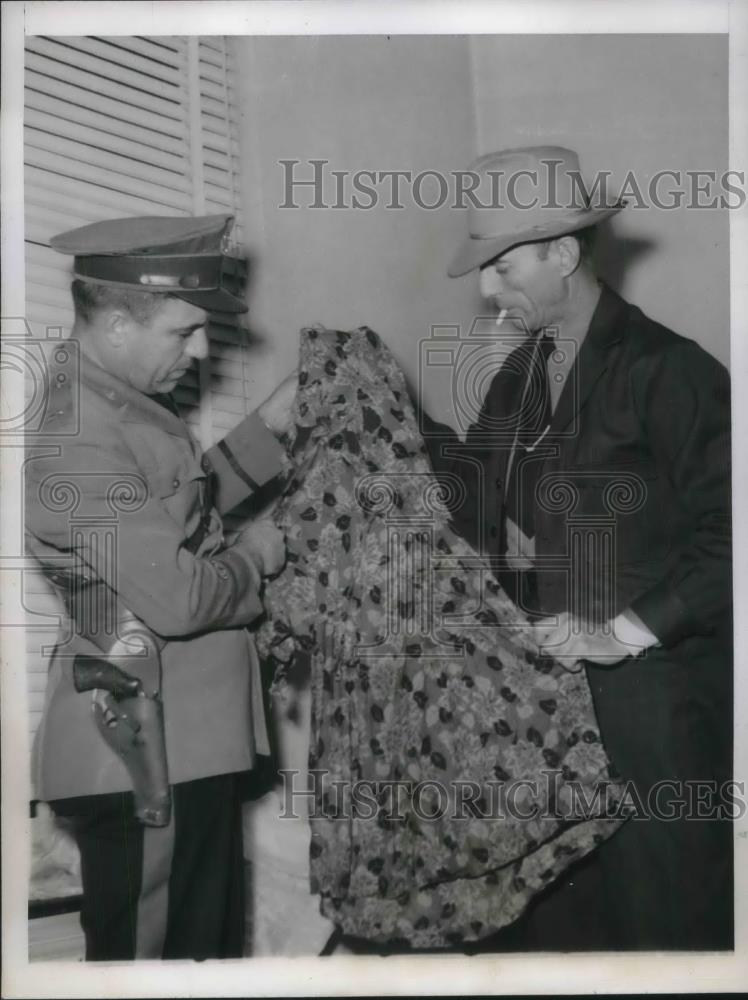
x=123 y=513
x=598 y=485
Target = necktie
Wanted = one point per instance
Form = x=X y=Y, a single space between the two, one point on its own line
x=168 y=402
x=533 y=421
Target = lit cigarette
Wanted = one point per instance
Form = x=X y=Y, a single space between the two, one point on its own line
x=500 y=318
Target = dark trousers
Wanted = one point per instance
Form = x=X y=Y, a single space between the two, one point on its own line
x=172 y=892
x=659 y=883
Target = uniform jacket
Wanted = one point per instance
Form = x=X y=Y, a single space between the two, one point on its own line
x=116 y=488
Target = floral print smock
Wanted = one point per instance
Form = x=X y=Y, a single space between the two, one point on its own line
x=451 y=759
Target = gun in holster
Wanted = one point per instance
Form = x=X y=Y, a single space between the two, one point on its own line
x=129 y=715
x=126 y=683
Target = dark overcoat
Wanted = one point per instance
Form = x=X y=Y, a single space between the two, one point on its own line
x=632 y=510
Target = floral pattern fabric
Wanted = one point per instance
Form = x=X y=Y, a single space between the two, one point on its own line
x=452 y=760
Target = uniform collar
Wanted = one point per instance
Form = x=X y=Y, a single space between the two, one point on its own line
x=133 y=406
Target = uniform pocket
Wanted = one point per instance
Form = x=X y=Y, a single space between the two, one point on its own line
x=182 y=491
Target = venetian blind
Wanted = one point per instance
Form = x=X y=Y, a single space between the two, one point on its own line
x=123 y=126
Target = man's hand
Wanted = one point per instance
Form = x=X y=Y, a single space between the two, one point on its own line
x=571 y=641
x=520 y=550
x=277 y=409
x=265 y=545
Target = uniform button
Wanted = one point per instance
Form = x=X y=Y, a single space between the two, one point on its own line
x=221 y=570
x=205 y=464
x=175 y=484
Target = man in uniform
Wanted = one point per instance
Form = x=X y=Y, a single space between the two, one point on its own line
x=123 y=514
x=598 y=484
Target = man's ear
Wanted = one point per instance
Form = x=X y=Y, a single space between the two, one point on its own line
x=568 y=254
x=116 y=325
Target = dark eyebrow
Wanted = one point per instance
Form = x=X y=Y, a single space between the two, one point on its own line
x=189 y=329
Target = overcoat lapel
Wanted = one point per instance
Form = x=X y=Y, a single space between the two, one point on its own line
x=592 y=361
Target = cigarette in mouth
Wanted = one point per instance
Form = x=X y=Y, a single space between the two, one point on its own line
x=500 y=318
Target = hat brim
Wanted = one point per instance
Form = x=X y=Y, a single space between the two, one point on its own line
x=476 y=251
x=216 y=300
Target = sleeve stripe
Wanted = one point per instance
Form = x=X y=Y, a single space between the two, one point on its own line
x=240 y=472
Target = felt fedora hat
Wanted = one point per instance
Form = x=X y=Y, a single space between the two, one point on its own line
x=523 y=195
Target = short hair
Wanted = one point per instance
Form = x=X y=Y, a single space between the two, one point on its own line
x=586 y=238
x=90 y=298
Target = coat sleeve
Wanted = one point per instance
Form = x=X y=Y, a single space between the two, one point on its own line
x=70 y=499
x=246 y=459
x=684 y=405
x=436 y=436
x=471 y=461
x=451 y=463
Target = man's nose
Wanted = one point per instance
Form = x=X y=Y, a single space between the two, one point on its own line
x=197 y=344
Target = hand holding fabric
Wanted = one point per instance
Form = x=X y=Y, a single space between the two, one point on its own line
x=276 y=412
x=265 y=545
x=603 y=643
x=520 y=550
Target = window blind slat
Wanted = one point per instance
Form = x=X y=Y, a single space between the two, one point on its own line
x=96 y=203
x=146 y=49
x=62 y=50
x=209 y=71
x=42 y=256
x=40 y=321
x=211 y=51
x=105 y=50
x=119 y=169
x=87 y=173
x=219 y=195
x=115 y=111
x=51 y=277
x=221 y=161
x=97 y=86
x=35 y=698
x=108 y=127
x=93 y=138
x=58 y=298
x=215 y=108
x=221 y=144
x=216 y=90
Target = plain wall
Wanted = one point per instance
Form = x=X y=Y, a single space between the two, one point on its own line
x=640 y=103
x=369 y=102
